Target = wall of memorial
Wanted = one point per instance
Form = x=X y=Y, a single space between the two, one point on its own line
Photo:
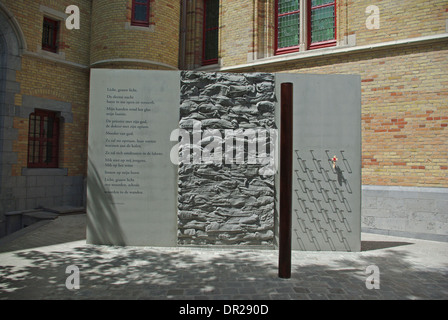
x=189 y=158
x=131 y=182
x=224 y=198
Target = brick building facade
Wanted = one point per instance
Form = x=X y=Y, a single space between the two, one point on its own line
x=400 y=49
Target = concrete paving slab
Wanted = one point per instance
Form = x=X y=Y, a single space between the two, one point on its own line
x=34 y=266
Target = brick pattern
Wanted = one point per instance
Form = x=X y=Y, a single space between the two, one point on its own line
x=247 y=27
x=405 y=119
x=111 y=39
x=41 y=77
x=73 y=43
x=108 y=39
x=237 y=31
x=398 y=19
x=404 y=93
x=404 y=111
x=59 y=82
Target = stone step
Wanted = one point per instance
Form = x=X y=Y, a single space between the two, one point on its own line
x=33 y=217
x=66 y=210
x=17 y=220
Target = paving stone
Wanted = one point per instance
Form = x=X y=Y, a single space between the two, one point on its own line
x=417 y=270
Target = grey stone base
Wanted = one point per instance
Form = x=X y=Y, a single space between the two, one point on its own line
x=405 y=234
x=2 y=229
x=413 y=212
x=17 y=220
x=225 y=247
x=39 y=188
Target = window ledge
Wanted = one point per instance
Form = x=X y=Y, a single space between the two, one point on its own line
x=44 y=171
x=55 y=14
x=129 y=26
x=60 y=55
x=210 y=67
x=337 y=50
x=54 y=57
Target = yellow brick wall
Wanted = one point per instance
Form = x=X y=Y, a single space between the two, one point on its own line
x=404 y=90
x=112 y=40
x=53 y=79
x=398 y=19
x=404 y=111
x=237 y=31
x=243 y=21
x=73 y=43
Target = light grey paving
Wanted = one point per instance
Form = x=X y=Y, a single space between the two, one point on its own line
x=409 y=269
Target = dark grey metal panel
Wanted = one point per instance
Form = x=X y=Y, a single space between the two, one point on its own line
x=327 y=195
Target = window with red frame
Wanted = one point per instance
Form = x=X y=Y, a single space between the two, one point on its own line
x=287 y=26
x=211 y=32
x=140 y=13
x=50 y=35
x=43 y=139
x=320 y=23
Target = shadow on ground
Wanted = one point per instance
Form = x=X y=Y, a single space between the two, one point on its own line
x=146 y=273
x=65 y=228
x=376 y=245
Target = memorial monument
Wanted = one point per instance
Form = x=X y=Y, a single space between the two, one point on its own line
x=182 y=158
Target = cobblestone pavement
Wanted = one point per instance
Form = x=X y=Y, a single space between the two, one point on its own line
x=31 y=268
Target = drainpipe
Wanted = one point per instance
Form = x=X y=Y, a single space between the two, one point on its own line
x=183 y=34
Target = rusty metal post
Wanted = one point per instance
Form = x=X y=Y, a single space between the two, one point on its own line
x=286 y=156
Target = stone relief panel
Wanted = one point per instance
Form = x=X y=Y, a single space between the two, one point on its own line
x=226 y=176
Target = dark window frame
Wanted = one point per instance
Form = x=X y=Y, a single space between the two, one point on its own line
x=146 y=5
x=52 y=39
x=206 y=29
x=38 y=140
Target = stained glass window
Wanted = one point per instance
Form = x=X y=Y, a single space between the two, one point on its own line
x=322 y=21
x=319 y=20
x=288 y=24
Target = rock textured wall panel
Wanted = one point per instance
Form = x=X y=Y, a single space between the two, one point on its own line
x=222 y=201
